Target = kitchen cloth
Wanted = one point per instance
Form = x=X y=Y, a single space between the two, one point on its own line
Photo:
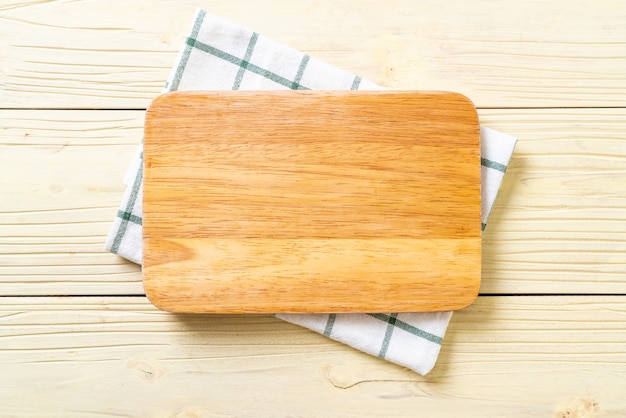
x=220 y=55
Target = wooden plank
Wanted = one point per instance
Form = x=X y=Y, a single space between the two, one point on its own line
x=63 y=173
x=558 y=225
x=324 y=214
x=88 y=357
x=118 y=53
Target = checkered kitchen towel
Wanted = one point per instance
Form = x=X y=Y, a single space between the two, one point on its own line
x=219 y=55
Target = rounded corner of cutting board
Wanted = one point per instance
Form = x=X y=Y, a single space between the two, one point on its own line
x=155 y=297
x=157 y=294
x=470 y=298
x=161 y=100
x=151 y=291
x=470 y=108
x=464 y=99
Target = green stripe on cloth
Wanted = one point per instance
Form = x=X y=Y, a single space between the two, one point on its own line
x=492 y=164
x=296 y=81
x=409 y=328
x=388 y=333
x=129 y=217
x=241 y=63
x=246 y=59
x=329 y=324
x=185 y=57
x=356 y=83
x=129 y=208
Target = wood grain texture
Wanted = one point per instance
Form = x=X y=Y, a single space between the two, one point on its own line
x=504 y=54
x=311 y=202
x=557 y=225
x=61 y=184
x=503 y=356
x=559 y=219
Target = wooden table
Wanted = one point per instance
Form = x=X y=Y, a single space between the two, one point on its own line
x=547 y=336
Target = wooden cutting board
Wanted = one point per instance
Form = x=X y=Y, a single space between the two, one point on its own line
x=273 y=202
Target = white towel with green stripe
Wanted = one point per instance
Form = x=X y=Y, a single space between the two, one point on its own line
x=219 y=55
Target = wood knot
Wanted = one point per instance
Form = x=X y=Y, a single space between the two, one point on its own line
x=340 y=376
x=145 y=369
x=56 y=188
x=586 y=407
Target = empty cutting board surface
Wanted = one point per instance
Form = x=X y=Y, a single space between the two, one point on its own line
x=309 y=202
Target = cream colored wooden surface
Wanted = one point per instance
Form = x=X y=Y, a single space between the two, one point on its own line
x=118 y=356
x=507 y=53
x=552 y=73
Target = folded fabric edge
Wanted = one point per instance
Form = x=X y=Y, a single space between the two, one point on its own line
x=496 y=150
x=421 y=332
